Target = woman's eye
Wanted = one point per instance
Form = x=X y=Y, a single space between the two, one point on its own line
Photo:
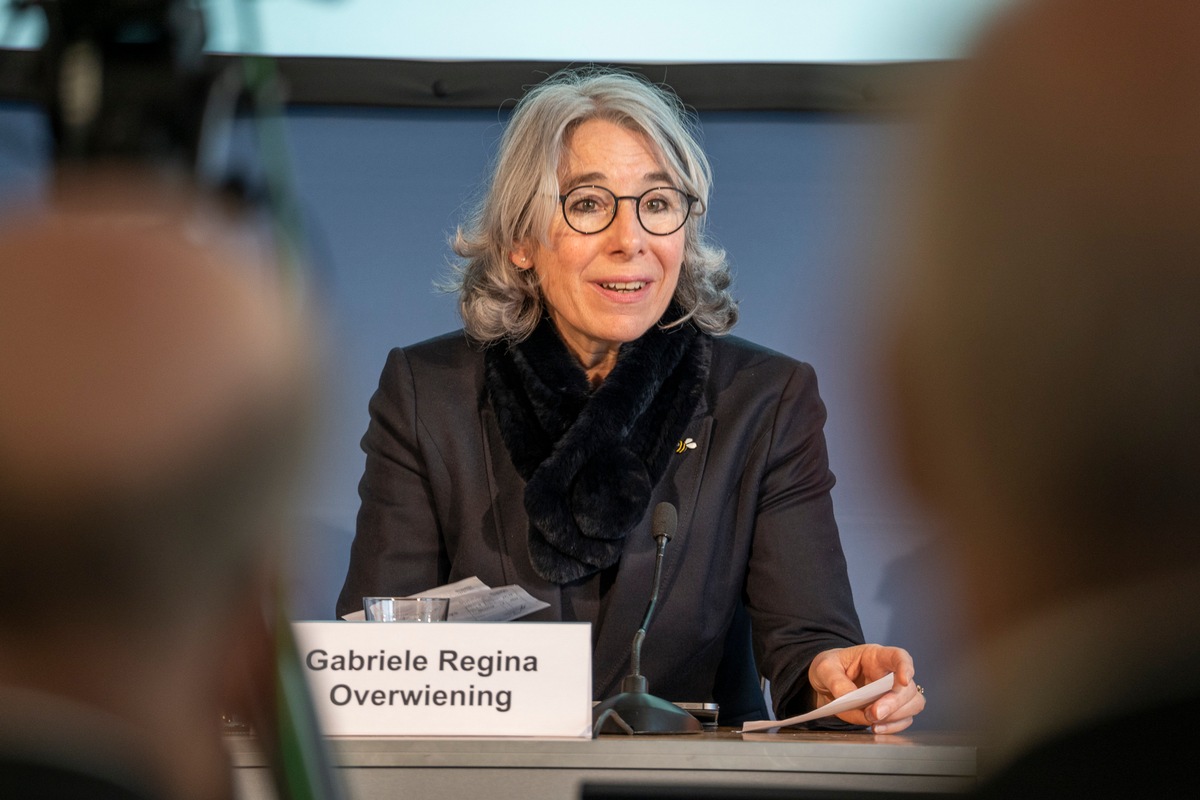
x=587 y=205
x=657 y=204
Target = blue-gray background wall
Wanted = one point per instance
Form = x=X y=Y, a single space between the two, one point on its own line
x=802 y=203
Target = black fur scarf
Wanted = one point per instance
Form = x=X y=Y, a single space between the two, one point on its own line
x=590 y=459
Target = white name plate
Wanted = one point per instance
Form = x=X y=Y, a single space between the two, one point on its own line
x=449 y=679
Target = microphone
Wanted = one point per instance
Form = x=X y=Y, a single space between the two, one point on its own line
x=662 y=527
x=634 y=710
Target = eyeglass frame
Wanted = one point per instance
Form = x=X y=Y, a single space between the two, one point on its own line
x=637 y=208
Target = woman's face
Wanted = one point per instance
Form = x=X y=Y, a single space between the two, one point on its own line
x=606 y=288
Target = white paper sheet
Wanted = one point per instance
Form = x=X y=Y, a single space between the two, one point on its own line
x=472 y=600
x=859 y=698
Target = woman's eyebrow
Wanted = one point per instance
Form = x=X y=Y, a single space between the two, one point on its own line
x=572 y=181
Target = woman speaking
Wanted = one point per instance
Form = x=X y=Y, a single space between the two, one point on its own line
x=592 y=380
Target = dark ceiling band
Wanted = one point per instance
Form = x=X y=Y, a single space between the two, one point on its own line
x=874 y=87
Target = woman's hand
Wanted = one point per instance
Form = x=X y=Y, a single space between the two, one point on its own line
x=834 y=673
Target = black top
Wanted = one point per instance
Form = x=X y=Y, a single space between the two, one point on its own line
x=755 y=578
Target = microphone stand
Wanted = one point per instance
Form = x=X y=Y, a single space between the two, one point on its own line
x=634 y=710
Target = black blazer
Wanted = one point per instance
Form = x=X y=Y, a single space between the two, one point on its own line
x=441 y=501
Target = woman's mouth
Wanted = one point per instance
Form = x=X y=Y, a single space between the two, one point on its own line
x=624 y=286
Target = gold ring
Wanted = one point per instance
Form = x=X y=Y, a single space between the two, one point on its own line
x=920 y=689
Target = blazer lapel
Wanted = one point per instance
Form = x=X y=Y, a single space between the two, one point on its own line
x=508 y=513
x=680 y=486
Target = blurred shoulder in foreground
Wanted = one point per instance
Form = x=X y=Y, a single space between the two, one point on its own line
x=1046 y=367
x=155 y=396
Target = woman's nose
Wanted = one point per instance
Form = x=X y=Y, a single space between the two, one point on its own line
x=626 y=225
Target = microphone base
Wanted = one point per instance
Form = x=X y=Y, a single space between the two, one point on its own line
x=643 y=714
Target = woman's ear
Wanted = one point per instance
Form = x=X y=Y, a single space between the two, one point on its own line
x=519 y=255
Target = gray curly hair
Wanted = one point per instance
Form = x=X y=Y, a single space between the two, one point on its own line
x=498 y=302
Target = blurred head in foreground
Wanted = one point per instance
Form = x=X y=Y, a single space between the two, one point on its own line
x=153 y=399
x=1047 y=354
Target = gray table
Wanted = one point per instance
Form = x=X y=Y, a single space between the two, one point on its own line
x=482 y=769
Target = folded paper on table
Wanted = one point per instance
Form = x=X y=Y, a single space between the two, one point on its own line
x=859 y=698
x=472 y=600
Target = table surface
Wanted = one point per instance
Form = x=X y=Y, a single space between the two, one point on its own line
x=418 y=767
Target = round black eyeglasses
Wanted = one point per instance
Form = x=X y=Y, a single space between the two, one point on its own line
x=661 y=210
